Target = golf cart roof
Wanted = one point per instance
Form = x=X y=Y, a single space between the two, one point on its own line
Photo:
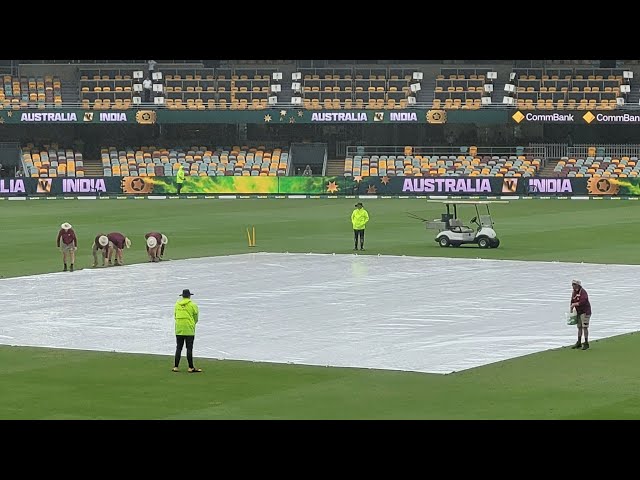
x=469 y=202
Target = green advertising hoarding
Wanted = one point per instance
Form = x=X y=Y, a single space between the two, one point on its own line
x=239 y=185
x=327 y=186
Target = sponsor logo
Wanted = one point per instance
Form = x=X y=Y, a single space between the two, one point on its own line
x=447 y=185
x=613 y=118
x=543 y=117
x=550 y=185
x=136 y=185
x=339 y=117
x=436 y=116
x=113 y=117
x=518 y=116
x=83 y=185
x=44 y=185
x=403 y=116
x=49 y=117
x=509 y=185
x=14 y=185
x=602 y=186
x=146 y=117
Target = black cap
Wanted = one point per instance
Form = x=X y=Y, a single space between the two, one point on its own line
x=186 y=293
x=359 y=204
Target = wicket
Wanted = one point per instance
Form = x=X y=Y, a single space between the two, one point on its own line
x=251 y=236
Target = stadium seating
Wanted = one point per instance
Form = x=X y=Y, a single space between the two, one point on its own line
x=149 y=161
x=253 y=86
x=52 y=161
x=29 y=92
x=598 y=166
x=222 y=88
x=460 y=88
x=104 y=89
x=469 y=164
x=568 y=88
x=354 y=87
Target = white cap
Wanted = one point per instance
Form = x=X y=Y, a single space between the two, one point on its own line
x=576 y=282
x=152 y=242
x=66 y=226
x=165 y=240
x=127 y=242
x=103 y=240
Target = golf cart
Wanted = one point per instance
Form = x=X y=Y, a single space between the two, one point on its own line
x=451 y=230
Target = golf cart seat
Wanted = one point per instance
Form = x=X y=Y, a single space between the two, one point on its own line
x=457 y=226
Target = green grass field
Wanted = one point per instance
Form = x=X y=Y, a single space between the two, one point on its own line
x=42 y=383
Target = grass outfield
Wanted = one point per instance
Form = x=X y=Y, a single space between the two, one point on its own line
x=42 y=383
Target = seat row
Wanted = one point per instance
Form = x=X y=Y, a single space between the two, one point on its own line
x=441 y=165
x=51 y=161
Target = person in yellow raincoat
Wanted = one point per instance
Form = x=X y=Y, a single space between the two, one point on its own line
x=359 y=219
x=186 y=317
x=179 y=178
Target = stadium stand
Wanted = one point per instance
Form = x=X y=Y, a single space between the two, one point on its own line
x=568 y=88
x=221 y=88
x=597 y=166
x=177 y=86
x=254 y=86
x=462 y=88
x=106 y=88
x=149 y=161
x=411 y=162
x=51 y=161
x=30 y=92
x=355 y=87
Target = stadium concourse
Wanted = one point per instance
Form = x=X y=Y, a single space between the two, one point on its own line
x=436 y=315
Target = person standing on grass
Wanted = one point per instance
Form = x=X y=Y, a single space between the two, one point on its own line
x=155 y=245
x=69 y=244
x=580 y=301
x=186 y=315
x=359 y=219
x=179 y=178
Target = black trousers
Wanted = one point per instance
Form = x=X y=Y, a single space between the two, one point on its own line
x=179 y=187
x=358 y=234
x=180 y=341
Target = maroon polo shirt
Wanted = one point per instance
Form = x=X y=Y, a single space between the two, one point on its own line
x=68 y=237
x=582 y=299
x=117 y=239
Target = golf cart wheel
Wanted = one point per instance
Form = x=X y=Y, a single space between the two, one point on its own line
x=496 y=243
x=443 y=241
x=483 y=242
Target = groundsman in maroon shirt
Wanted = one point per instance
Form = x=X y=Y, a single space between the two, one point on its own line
x=580 y=301
x=117 y=243
x=101 y=242
x=156 y=242
x=68 y=243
